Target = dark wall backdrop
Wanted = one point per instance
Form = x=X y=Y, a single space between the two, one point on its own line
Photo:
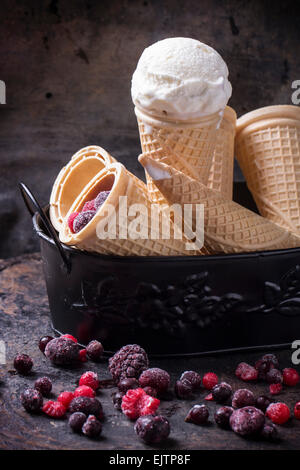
x=67 y=66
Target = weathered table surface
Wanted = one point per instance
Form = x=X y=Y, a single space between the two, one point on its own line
x=24 y=318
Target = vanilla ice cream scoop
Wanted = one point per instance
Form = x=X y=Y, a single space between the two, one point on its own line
x=181 y=78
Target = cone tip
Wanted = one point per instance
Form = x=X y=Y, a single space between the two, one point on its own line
x=157 y=170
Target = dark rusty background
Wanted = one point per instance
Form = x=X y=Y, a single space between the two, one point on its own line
x=67 y=66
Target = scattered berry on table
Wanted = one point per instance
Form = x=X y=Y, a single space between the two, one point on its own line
x=130 y=361
x=68 y=336
x=274 y=376
x=92 y=427
x=266 y=363
x=84 y=391
x=43 y=342
x=117 y=400
x=83 y=355
x=155 y=378
x=23 y=364
x=152 y=429
x=275 y=389
x=71 y=219
x=243 y=397
x=247 y=421
x=222 y=416
x=101 y=198
x=193 y=377
x=94 y=351
x=54 y=409
x=87 y=405
x=297 y=410
x=150 y=391
x=90 y=379
x=183 y=389
x=210 y=379
x=290 y=377
x=76 y=421
x=137 y=403
x=128 y=384
x=62 y=351
x=246 y=372
x=43 y=385
x=198 y=415
x=278 y=413
x=270 y=432
x=82 y=219
x=65 y=398
x=221 y=392
x=262 y=402
x=32 y=400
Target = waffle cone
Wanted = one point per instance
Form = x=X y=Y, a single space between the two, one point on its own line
x=120 y=182
x=221 y=170
x=73 y=177
x=268 y=151
x=229 y=227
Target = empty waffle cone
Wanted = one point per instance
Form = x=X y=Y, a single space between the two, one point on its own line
x=73 y=177
x=221 y=170
x=228 y=227
x=112 y=232
x=268 y=151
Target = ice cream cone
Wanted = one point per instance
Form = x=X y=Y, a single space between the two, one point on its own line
x=221 y=170
x=73 y=177
x=268 y=151
x=229 y=227
x=124 y=240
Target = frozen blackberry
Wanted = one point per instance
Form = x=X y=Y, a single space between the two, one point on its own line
x=62 y=351
x=198 y=415
x=222 y=416
x=82 y=219
x=221 y=392
x=43 y=385
x=152 y=429
x=117 y=400
x=266 y=363
x=247 y=421
x=262 y=402
x=274 y=376
x=23 y=364
x=86 y=405
x=100 y=199
x=270 y=432
x=243 y=397
x=150 y=391
x=95 y=350
x=129 y=361
x=183 y=389
x=32 y=400
x=77 y=420
x=156 y=378
x=193 y=377
x=92 y=427
x=128 y=384
x=43 y=342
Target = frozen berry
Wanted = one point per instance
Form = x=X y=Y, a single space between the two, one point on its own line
x=274 y=376
x=278 y=413
x=92 y=427
x=84 y=391
x=156 y=378
x=23 y=364
x=198 y=415
x=243 y=397
x=82 y=219
x=209 y=397
x=262 y=402
x=95 y=350
x=71 y=219
x=89 y=206
x=90 y=379
x=193 y=377
x=87 y=405
x=101 y=198
x=128 y=384
x=62 y=351
x=65 y=398
x=222 y=416
x=150 y=391
x=152 y=429
x=137 y=403
x=266 y=363
x=76 y=421
x=275 y=389
x=247 y=421
x=270 y=432
x=54 y=409
x=43 y=385
x=221 y=392
x=290 y=377
x=43 y=342
x=32 y=400
x=183 y=389
x=246 y=372
x=297 y=410
x=117 y=398
x=210 y=380
x=82 y=355
x=129 y=361
x=68 y=336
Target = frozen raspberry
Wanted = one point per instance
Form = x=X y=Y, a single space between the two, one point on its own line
x=198 y=415
x=90 y=379
x=65 y=398
x=43 y=385
x=274 y=376
x=275 y=389
x=183 y=389
x=150 y=391
x=221 y=392
x=247 y=421
x=76 y=421
x=92 y=427
x=290 y=377
x=82 y=219
x=129 y=361
x=89 y=206
x=152 y=429
x=117 y=398
x=71 y=219
x=101 y=198
x=155 y=378
x=32 y=400
x=95 y=350
x=222 y=416
x=262 y=403
x=43 y=342
x=82 y=355
x=266 y=363
x=128 y=384
x=193 y=377
x=62 y=351
x=246 y=372
x=68 y=336
x=54 y=409
x=297 y=410
x=243 y=397
x=84 y=391
x=23 y=364
x=209 y=397
x=210 y=380
x=87 y=405
x=278 y=413
x=137 y=403
x=270 y=432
